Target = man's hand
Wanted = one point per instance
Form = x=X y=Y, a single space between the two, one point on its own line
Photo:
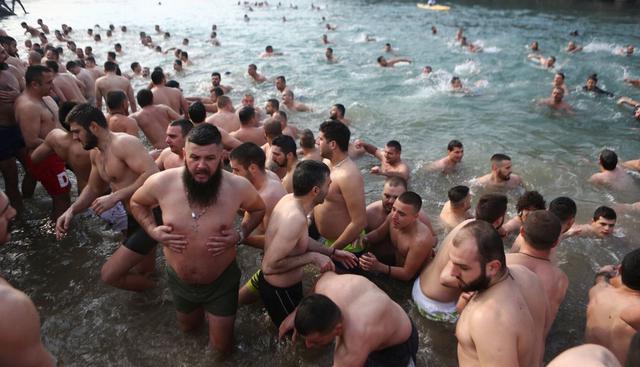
x=286 y=326
x=357 y=144
x=174 y=241
x=369 y=262
x=610 y=270
x=62 y=224
x=104 y=203
x=323 y=262
x=347 y=259
x=220 y=243
x=375 y=170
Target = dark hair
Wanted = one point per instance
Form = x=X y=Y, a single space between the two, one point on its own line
x=307 y=140
x=172 y=84
x=215 y=73
x=338 y=132
x=185 y=126
x=71 y=64
x=144 y=97
x=499 y=157
x=54 y=51
x=395 y=144
x=253 y=66
x=115 y=98
x=380 y=58
x=178 y=62
x=34 y=73
x=630 y=270
x=117 y=45
x=63 y=111
x=411 y=198
x=541 y=229
x=197 y=112
x=247 y=154
x=487 y=240
x=90 y=58
x=455 y=78
x=395 y=181
x=307 y=175
x=491 y=207
x=454 y=144
x=275 y=103
x=84 y=114
x=111 y=54
x=561 y=74
x=223 y=101
x=52 y=65
x=272 y=128
x=633 y=356
x=608 y=159
x=281 y=77
x=340 y=107
x=316 y=313
x=604 y=212
x=282 y=114
x=286 y=143
x=530 y=200
x=593 y=77
x=6 y=40
x=457 y=194
x=110 y=66
x=134 y=65
x=184 y=53
x=246 y=114
x=218 y=91
x=564 y=208
x=204 y=134
x=157 y=76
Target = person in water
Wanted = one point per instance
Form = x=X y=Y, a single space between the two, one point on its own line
x=591 y=86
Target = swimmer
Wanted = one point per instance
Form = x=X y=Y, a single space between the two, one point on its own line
x=592 y=86
x=434 y=30
x=630 y=102
x=185 y=42
x=572 y=48
x=388 y=49
x=390 y=63
x=167 y=96
x=249 y=130
x=558 y=82
x=555 y=101
x=153 y=119
x=173 y=155
x=634 y=82
x=611 y=175
x=118 y=119
x=325 y=40
x=328 y=54
x=548 y=63
x=216 y=80
x=602 y=225
x=337 y=113
x=184 y=57
x=534 y=47
x=246 y=17
x=456 y=209
x=330 y=27
x=456 y=86
x=280 y=83
x=427 y=70
x=43 y=26
x=308 y=149
x=289 y=101
x=177 y=67
x=391 y=163
x=448 y=164
x=225 y=118
x=213 y=39
x=157 y=29
x=529 y=201
x=470 y=46
x=34 y=32
x=459 y=33
x=626 y=51
x=500 y=175
x=110 y=82
x=269 y=52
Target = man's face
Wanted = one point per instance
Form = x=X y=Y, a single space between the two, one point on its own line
x=603 y=227
x=12 y=48
x=590 y=84
x=557 y=95
x=456 y=154
x=177 y=67
x=84 y=136
x=456 y=84
x=269 y=108
x=238 y=169
x=550 y=63
x=247 y=101
x=51 y=56
x=174 y=139
x=389 y=196
x=251 y=70
x=215 y=80
x=202 y=161
x=7 y=213
x=323 y=191
x=557 y=80
x=402 y=215
x=466 y=266
x=323 y=145
x=44 y=87
x=287 y=97
x=278 y=156
x=280 y=84
x=334 y=113
x=503 y=170
x=391 y=155
x=146 y=72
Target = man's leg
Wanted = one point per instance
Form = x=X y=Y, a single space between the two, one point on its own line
x=9 y=170
x=221 y=333
x=116 y=271
x=60 y=204
x=190 y=321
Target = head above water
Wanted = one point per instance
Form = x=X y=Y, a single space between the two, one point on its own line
x=459 y=197
x=604 y=221
x=501 y=166
x=630 y=270
x=608 y=160
x=492 y=208
x=565 y=209
x=541 y=230
x=311 y=178
x=337 y=133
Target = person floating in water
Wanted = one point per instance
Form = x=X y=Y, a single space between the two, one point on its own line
x=591 y=86
x=572 y=48
x=390 y=63
x=546 y=62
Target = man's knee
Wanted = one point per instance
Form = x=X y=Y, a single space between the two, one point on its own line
x=110 y=275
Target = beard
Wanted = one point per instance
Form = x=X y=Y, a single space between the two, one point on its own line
x=4 y=66
x=504 y=177
x=92 y=141
x=479 y=284
x=202 y=193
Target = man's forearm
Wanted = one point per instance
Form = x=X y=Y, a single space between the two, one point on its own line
x=87 y=196
x=251 y=222
x=144 y=216
x=287 y=264
x=349 y=235
x=125 y=193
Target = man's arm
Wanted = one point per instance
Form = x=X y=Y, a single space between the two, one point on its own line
x=370 y=148
x=98 y=95
x=348 y=357
x=628 y=101
x=43 y=150
x=499 y=350
x=173 y=115
x=403 y=171
x=135 y=156
x=416 y=257
x=379 y=234
x=185 y=106
x=352 y=189
x=132 y=98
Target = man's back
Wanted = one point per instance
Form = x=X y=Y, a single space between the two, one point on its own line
x=250 y=134
x=153 y=121
x=69 y=87
x=228 y=121
x=167 y=96
x=617 y=179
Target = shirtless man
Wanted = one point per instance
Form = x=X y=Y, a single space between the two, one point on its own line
x=337 y=113
x=611 y=175
x=121 y=162
x=541 y=234
x=284 y=154
x=308 y=149
x=635 y=104
x=53 y=55
x=448 y=164
x=289 y=101
x=269 y=52
x=34 y=32
x=88 y=83
x=225 y=118
x=592 y=86
x=411 y=239
x=173 y=155
x=389 y=157
x=65 y=85
x=199 y=204
x=287 y=129
x=110 y=82
x=556 y=101
x=601 y=226
x=288 y=248
x=153 y=119
x=249 y=101
x=249 y=131
x=371 y=329
x=16 y=66
x=529 y=201
x=613 y=313
x=216 y=79
x=328 y=54
x=500 y=175
x=506 y=299
x=456 y=210
x=96 y=73
x=435 y=299
x=390 y=63
x=43 y=26
x=253 y=73
x=167 y=96
x=457 y=87
x=558 y=82
x=118 y=118
x=20 y=331
x=280 y=83
x=572 y=48
x=545 y=62
x=37 y=114
x=342 y=217
x=591 y=355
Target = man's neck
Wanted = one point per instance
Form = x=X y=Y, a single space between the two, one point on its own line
x=291 y=164
x=527 y=249
x=259 y=180
x=104 y=139
x=305 y=202
x=338 y=157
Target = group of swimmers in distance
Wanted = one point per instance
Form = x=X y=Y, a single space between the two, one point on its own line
x=302 y=203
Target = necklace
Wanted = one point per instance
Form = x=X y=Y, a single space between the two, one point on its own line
x=534 y=257
x=340 y=163
x=196 y=217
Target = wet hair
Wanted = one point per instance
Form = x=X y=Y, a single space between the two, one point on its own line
x=71 y=64
x=172 y=84
x=380 y=58
x=218 y=91
x=286 y=144
x=110 y=66
x=282 y=114
x=564 y=208
x=395 y=181
x=253 y=66
x=307 y=175
x=6 y=40
x=90 y=58
x=54 y=51
x=275 y=103
x=184 y=125
x=53 y=66
x=411 y=198
x=134 y=65
x=215 y=73
x=197 y=112
x=144 y=97
x=530 y=200
x=454 y=79
x=487 y=240
x=454 y=144
x=115 y=98
x=340 y=107
x=593 y=77
x=111 y=54
x=541 y=229
x=499 y=157
x=491 y=207
x=204 y=134
x=268 y=48
x=394 y=144
x=608 y=159
x=84 y=114
x=247 y=154
x=281 y=78
x=34 y=73
x=272 y=128
x=338 y=132
x=246 y=114
x=457 y=194
x=561 y=74
x=157 y=76
x=63 y=111
x=185 y=54
x=307 y=140
x=630 y=270
x=316 y=313
x=604 y=212
x=177 y=62
x=223 y=101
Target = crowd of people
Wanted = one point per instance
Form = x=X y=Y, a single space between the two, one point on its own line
x=181 y=171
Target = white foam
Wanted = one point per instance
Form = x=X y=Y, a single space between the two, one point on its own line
x=469 y=67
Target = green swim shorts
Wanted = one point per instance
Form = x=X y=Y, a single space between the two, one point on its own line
x=352 y=247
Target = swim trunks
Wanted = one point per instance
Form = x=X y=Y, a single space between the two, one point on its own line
x=279 y=302
x=433 y=310
x=219 y=298
x=51 y=173
x=117 y=217
x=10 y=141
x=400 y=355
x=351 y=247
x=137 y=239
x=252 y=284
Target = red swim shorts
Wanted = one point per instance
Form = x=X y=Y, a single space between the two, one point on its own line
x=51 y=173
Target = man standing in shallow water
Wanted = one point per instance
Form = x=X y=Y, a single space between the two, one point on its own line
x=448 y=164
x=500 y=175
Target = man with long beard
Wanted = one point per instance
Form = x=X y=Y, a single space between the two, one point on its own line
x=200 y=202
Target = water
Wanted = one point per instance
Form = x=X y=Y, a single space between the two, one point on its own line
x=85 y=322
